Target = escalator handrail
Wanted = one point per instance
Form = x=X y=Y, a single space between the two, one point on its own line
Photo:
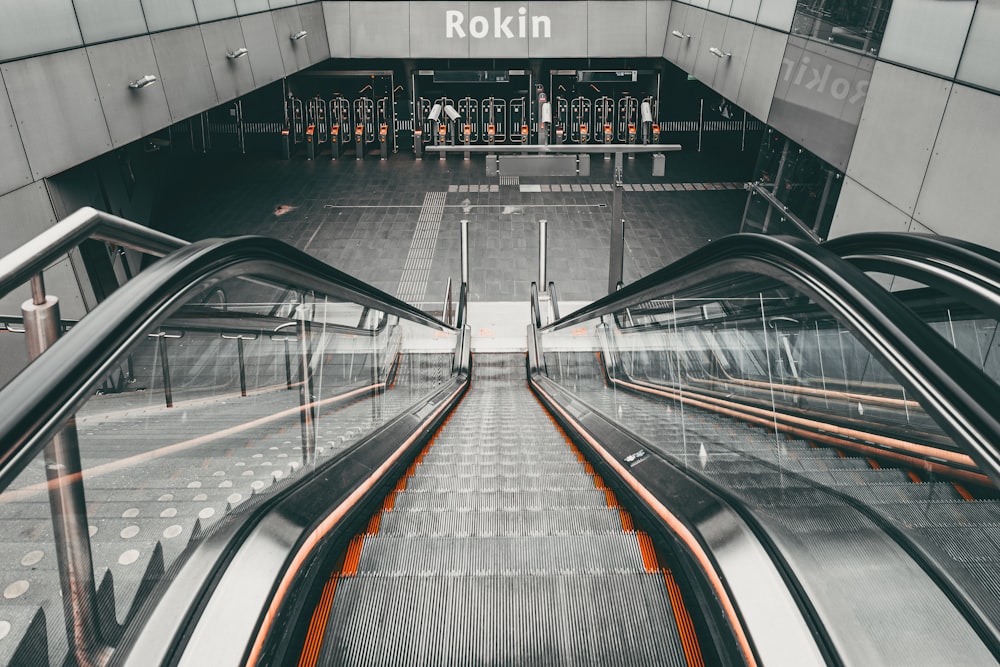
x=38 y=401
x=949 y=386
x=51 y=245
x=968 y=272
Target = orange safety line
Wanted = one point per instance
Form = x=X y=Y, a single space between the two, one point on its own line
x=874 y=464
x=689 y=640
x=649 y=560
x=389 y=503
x=353 y=558
x=626 y=518
x=598 y=482
x=317 y=625
x=962 y=491
x=374 y=523
x=914 y=477
x=611 y=499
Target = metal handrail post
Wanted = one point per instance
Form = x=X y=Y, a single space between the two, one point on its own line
x=306 y=415
x=465 y=252
x=542 y=250
x=68 y=505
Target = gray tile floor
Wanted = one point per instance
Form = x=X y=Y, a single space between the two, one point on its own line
x=362 y=216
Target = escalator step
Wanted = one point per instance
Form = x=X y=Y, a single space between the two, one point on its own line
x=502 y=522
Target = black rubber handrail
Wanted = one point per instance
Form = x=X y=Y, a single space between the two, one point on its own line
x=963 y=270
x=960 y=397
x=39 y=400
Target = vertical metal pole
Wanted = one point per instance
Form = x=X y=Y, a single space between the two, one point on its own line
x=743 y=139
x=305 y=390
x=66 y=500
x=288 y=365
x=243 y=368
x=617 y=260
x=465 y=252
x=701 y=119
x=542 y=249
x=822 y=202
x=168 y=392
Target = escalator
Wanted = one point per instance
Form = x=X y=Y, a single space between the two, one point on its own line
x=304 y=470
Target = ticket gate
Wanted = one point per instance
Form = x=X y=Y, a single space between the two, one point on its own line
x=581 y=117
x=493 y=117
x=468 y=107
x=519 y=121
x=297 y=120
x=605 y=118
x=340 y=124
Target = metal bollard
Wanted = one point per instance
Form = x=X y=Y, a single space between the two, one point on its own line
x=465 y=251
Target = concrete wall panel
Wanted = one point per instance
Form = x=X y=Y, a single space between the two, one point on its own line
x=657 y=16
x=233 y=77
x=251 y=6
x=38 y=26
x=130 y=114
x=982 y=50
x=674 y=45
x=317 y=43
x=14 y=169
x=616 y=28
x=960 y=194
x=382 y=29
x=729 y=73
x=569 y=30
x=337 y=15
x=745 y=9
x=58 y=110
x=262 y=45
x=694 y=25
x=213 y=10
x=861 y=210
x=712 y=33
x=162 y=15
x=776 y=14
x=294 y=52
x=928 y=34
x=760 y=75
x=103 y=20
x=187 y=77
x=890 y=158
x=503 y=36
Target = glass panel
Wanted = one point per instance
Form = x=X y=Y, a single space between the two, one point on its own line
x=847 y=23
x=245 y=387
x=753 y=387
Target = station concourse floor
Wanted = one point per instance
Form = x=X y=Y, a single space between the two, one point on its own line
x=396 y=223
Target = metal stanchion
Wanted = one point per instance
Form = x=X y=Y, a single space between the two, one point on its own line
x=66 y=500
x=465 y=251
x=542 y=243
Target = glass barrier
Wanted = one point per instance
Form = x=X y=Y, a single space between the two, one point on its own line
x=245 y=387
x=847 y=23
x=754 y=388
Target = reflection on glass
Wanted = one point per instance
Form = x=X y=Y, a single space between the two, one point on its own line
x=853 y=24
x=244 y=388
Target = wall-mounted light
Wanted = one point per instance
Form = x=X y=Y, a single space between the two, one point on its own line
x=238 y=53
x=147 y=80
x=296 y=36
x=681 y=35
x=716 y=51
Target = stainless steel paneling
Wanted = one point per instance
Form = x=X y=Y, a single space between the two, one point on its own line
x=569 y=30
x=960 y=195
x=187 y=78
x=232 y=77
x=897 y=131
x=860 y=210
x=776 y=14
x=162 y=15
x=712 y=32
x=130 y=114
x=425 y=25
x=928 y=34
x=982 y=50
x=819 y=97
x=496 y=43
x=760 y=75
x=694 y=25
x=213 y=10
x=14 y=169
x=294 y=53
x=703 y=4
x=382 y=29
x=37 y=26
x=745 y=9
x=278 y=4
x=338 y=27
x=57 y=109
x=616 y=28
x=251 y=6
x=657 y=15
x=729 y=73
x=102 y=20
x=673 y=45
x=317 y=43
x=262 y=43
